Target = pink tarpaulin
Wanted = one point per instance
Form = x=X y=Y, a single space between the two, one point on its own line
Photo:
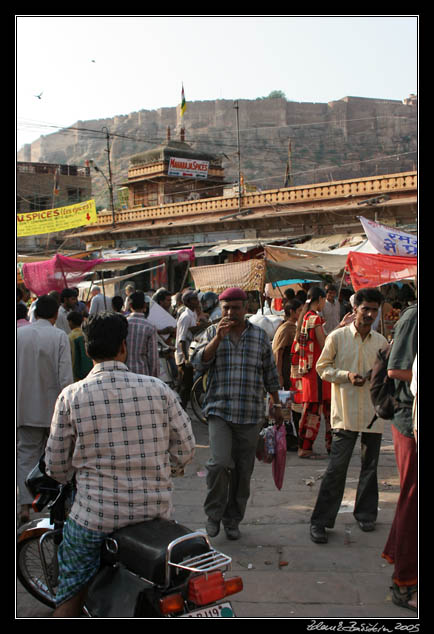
x=56 y=274
x=61 y=271
x=371 y=269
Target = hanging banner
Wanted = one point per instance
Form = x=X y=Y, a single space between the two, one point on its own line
x=388 y=240
x=34 y=223
x=372 y=269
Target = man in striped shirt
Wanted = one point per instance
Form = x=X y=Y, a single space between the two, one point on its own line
x=241 y=369
x=142 y=338
x=121 y=434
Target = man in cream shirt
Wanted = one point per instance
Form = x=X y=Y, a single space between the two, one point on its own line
x=347 y=357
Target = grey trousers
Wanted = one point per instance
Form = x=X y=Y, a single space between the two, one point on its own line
x=230 y=467
x=333 y=483
x=31 y=443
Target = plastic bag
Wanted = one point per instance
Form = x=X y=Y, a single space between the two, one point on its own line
x=279 y=460
x=265 y=449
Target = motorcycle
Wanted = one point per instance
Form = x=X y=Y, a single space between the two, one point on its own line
x=154 y=569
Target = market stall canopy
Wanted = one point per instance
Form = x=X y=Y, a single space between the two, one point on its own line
x=248 y=275
x=283 y=275
x=231 y=247
x=61 y=271
x=325 y=262
x=373 y=270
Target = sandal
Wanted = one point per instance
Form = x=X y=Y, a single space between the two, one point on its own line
x=403 y=598
x=311 y=456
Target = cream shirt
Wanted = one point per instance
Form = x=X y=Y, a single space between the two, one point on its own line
x=345 y=351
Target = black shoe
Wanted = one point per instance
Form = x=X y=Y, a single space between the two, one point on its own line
x=212 y=527
x=232 y=532
x=318 y=534
x=367 y=527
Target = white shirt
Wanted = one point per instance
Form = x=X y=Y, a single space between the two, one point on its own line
x=187 y=320
x=44 y=368
x=100 y=304
x=62 y=321
x=345 y=351
x=332 y=315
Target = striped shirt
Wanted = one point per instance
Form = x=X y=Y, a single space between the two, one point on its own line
x=142 y=346
x=238 y=376
x=120 y=433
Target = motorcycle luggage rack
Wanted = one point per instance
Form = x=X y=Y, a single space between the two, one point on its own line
x=204 y=563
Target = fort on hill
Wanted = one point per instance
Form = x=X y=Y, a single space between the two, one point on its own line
x=347 y=138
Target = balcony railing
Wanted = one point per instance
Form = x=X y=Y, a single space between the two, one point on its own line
x=370 y=186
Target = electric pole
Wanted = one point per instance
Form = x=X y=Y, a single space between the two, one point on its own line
x=110 y=183
x=239 y=156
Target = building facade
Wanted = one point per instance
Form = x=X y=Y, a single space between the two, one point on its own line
x=42 y=186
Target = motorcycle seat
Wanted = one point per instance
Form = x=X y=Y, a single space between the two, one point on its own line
x=142 y=548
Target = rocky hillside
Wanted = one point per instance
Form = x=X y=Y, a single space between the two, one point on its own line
x=341 y=139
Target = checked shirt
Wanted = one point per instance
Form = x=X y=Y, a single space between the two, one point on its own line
x=142 y=346
x=238 y=376
x=120 y=433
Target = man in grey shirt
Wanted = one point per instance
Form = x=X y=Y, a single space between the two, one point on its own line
x=332 y=309
x=44 y=368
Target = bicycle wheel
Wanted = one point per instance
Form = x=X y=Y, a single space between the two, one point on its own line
x=30 y=568
x=197 y=397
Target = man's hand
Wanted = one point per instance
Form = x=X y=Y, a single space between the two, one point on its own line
x=356 y=379
x=276 y=413
x=224 y=326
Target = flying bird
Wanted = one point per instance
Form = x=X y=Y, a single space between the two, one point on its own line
x=38 y=96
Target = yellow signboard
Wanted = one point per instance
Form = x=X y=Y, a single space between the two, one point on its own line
x=34 y=223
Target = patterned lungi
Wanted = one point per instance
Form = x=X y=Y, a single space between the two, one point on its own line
x=79 y=559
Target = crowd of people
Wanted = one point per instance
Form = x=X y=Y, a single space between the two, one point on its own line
x=92 y=382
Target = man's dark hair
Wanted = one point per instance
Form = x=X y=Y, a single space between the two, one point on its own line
x=301 y=295
x=289 y=293
x=46 y=307
x=75 y=318
x=21 y=311
x=160 y=296
x=104 y=334
x=67 y=292
x=137 y=300
x=368 y=295
x=117 y=302
x=291 y=307
x=331 y=287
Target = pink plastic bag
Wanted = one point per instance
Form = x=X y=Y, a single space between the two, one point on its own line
x=279 y=461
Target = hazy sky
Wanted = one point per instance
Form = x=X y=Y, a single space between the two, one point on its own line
x=91 y=67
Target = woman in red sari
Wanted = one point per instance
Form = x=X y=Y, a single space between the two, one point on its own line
x=316 y=394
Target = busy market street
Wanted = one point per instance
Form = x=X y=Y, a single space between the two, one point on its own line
x=217 y=320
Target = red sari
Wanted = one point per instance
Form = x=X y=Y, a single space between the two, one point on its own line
x=316 y=394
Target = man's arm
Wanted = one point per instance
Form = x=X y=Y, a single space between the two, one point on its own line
x=60 y=444
x=152 y=353
x=65 y=375
x=182 y=442
x=326 y=367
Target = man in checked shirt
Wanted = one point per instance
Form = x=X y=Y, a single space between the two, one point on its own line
x=142 y=357
x=120 y=433
x=241 y=369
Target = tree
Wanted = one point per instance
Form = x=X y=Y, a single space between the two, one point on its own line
x=276 y=94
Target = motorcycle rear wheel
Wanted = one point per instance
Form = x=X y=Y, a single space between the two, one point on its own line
x=30 y=571
x=196 y=398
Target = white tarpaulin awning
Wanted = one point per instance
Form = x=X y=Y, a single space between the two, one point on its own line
x=327 y=262
x=226 y=246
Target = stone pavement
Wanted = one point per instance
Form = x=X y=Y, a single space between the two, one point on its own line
x=285 y=574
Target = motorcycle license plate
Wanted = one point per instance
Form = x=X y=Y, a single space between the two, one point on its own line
x=222 y=610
